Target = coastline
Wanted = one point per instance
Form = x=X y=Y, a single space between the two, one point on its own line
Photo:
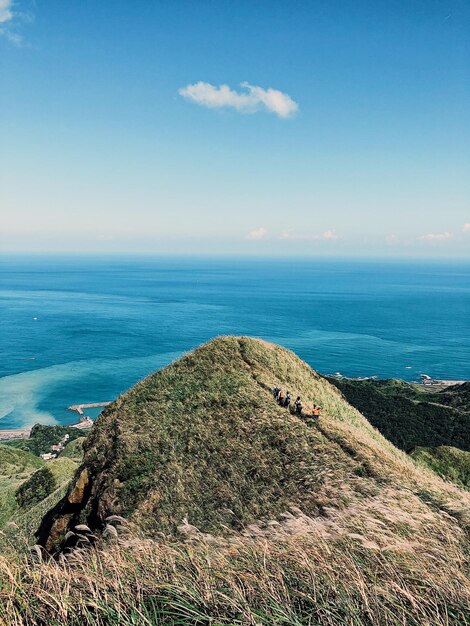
x=84 y=423
x=431 y=385
x=20 y=433
x=24 y=433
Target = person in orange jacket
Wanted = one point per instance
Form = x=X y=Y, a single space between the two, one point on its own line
x=316 y=410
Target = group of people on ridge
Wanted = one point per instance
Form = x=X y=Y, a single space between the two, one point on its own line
x=284 y=399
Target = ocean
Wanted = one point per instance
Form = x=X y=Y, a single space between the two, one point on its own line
x=81 y=330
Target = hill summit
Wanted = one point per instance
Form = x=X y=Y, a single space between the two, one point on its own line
x=200 y=500
x=204 y=442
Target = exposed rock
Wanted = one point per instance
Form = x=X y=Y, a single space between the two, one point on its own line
x=82 y=542
x=57 y=531
x=76 y=494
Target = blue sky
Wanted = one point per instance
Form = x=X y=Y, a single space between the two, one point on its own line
x=344 y=128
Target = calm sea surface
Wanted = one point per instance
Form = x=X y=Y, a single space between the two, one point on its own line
x=79 y=330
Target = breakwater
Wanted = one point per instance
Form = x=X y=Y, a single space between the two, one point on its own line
x=78 y=408
x=85 y=422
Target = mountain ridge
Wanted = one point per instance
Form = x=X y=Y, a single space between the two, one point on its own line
x=228 y=509
x=204 y=437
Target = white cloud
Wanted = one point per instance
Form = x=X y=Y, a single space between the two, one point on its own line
x=466 y=227
x=9 y=20
x=251 y=100
x=328 y=235
x=257 y=233
x=6 y=14
x=436 y=236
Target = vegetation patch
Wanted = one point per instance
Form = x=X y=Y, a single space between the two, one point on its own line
x=450 y=463
x=36 y=488
x=300 y=581
x=16 y=466
x=410 y=416
x=43 y=437
x=74 y=450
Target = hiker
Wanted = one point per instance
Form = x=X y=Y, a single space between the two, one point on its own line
x=298 y=406
x=276 y=392
x=287 y=400
x=316 y=411
x=280 y=398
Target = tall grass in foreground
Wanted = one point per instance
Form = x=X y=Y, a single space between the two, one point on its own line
x=300 y=581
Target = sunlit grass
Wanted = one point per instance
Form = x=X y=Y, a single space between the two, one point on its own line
x=300 y=580
x=298 y=522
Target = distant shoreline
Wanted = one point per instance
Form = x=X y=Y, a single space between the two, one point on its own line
x=19 y=433
x=24 y=433
x=85 y=422
x=432 y=384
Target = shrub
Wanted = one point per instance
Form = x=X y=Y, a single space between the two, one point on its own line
x=39 y=486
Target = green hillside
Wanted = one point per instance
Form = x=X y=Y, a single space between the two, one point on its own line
x=240 y=513
x=16 y=466
x=408 y=415
x=44 y=481
x=27 y=483
x=29 y=487
x=74 y=449
x=448 y=462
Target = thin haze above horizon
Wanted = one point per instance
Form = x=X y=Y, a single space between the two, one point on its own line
x=261 y=128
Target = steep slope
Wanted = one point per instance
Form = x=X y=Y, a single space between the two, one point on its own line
x=73 y=450
x=29 y=487
x=16 y=466
x=204 y=440
x=409 y=415
x=448 y=462
x=239 y=513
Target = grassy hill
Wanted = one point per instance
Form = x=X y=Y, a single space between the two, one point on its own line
x=29 y=487
x=74 y=450
x=241 y=513
x=16 y=466
x=409 y=415
x=448 y=462
x=28 y=484
x=204 y=439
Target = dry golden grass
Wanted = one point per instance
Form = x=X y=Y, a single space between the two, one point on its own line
x=304 y=577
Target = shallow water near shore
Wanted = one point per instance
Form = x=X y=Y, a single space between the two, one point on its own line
x=78 y=330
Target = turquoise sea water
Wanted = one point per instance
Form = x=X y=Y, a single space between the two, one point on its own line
x=79 y=330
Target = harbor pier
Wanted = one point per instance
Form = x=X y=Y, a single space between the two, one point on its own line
x=78 y=408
